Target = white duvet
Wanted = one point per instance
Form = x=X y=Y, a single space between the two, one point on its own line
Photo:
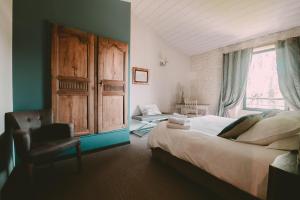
x=242 y=165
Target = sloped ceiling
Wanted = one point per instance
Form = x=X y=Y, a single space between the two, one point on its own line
x=197 y=26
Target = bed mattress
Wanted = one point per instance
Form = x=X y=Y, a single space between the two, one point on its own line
x=243 y=165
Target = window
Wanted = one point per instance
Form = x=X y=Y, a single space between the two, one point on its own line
x=263 y=91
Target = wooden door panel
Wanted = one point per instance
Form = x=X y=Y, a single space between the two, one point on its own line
x=112 y=84
x=114 y=58
x=73 y=57
x=75 y=111
x=113 y=112
x=73 y=78
x=65 y=103
x=80 y=114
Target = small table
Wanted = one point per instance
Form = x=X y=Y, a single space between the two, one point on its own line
x=202 y=108
x=284 y=178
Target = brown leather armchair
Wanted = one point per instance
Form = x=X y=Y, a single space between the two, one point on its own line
x=37 y=139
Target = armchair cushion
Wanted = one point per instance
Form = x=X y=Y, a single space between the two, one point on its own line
x=51 y=132
x=49 y=149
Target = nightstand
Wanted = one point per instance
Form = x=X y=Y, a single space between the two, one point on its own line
x=202 y=108
x=284 y=178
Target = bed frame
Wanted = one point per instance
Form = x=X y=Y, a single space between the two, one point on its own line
x=199 y=176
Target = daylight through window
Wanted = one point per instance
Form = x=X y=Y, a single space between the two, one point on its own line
x=262 y=85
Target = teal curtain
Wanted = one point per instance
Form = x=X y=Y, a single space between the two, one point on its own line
x=288 y=69
x=235 y=73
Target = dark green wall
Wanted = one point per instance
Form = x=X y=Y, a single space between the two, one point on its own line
x=32 y=46
x=32 y=41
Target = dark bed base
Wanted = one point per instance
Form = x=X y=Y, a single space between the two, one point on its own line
x=197 y=175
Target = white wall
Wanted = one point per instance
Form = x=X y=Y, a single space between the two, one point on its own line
x=145 y=50
x=206 y=72
x=205 y=78
x=5 y=59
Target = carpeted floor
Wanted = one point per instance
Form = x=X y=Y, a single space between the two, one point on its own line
x=125 y=172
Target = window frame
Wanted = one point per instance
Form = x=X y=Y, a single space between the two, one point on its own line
x=286 y=108
x=245 y=96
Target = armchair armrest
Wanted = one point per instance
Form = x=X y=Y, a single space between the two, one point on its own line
x=22 y=142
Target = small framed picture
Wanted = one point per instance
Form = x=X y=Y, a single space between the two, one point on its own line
x=140 y=75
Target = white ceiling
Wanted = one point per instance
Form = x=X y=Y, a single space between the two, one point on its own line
x=197 y=26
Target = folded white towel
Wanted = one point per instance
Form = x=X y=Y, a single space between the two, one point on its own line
x=177 y=120
x=178 y=126
x=179 y=115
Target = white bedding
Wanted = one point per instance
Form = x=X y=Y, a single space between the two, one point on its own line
x=242 y=165
x=210 y=124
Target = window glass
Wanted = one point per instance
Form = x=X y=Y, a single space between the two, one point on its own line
x=262 y=85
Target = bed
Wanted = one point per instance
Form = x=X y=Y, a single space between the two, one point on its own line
x=244 y=166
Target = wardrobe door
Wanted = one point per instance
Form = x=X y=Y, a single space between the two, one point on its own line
x=112 y=84
x=73 y=78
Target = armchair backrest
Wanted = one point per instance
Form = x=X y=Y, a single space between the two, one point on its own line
x=27 y=120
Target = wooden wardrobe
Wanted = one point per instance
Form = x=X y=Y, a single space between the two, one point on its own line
x=89 y=81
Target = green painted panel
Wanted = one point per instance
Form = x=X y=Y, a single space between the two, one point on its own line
x=102 y=140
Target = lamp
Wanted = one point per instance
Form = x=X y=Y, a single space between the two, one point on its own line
x=163 y=60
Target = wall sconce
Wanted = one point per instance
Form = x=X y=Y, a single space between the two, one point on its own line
x=163 y=61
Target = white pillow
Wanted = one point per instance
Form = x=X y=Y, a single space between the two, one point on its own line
x=271 y=129
x=150 y=109
x=287 y=144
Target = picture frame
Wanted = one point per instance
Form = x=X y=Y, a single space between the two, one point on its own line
x=140 y=75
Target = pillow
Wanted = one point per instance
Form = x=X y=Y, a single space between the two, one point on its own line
x=150 y=109
x=271 y=129
x=287 y=144
x=239 y=126
x=271 y=113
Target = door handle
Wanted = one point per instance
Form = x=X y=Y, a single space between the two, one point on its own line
x=101 y=83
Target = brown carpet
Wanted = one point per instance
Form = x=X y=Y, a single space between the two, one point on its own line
x=125 y=172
